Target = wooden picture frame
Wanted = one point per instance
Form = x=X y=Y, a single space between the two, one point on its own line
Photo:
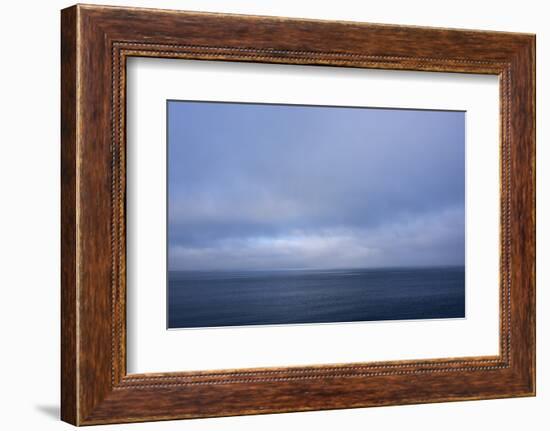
x=95 y=43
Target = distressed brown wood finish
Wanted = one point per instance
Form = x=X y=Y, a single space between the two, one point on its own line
x=96 y=41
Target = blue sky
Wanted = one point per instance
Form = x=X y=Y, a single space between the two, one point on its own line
x=255 y=186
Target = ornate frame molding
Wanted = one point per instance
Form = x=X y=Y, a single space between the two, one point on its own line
x=96 y=41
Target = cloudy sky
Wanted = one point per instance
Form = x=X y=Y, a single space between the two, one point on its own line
x=254 y=186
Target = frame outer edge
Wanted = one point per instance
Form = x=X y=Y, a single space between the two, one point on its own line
x=524 y=214
x=533 y=54
x=531 y=83
x=69 y=202
x=532 y=101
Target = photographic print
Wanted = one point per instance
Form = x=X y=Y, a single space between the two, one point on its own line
x=303 y=214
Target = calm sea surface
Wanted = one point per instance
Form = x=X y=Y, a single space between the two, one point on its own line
x=203 y=299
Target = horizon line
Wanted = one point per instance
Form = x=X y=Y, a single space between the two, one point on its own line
x=321 y=269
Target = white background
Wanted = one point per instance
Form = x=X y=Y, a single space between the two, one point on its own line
x=29 y=227
x=151 y=348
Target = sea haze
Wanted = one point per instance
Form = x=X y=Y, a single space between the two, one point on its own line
x=270 y=205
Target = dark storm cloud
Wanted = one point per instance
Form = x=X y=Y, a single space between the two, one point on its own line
x=267 y=186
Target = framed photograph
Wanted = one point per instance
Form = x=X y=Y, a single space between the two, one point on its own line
x=265 y=214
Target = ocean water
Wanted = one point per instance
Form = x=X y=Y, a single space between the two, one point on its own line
x=218 y=298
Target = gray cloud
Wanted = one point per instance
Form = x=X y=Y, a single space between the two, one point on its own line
x=263 y=186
